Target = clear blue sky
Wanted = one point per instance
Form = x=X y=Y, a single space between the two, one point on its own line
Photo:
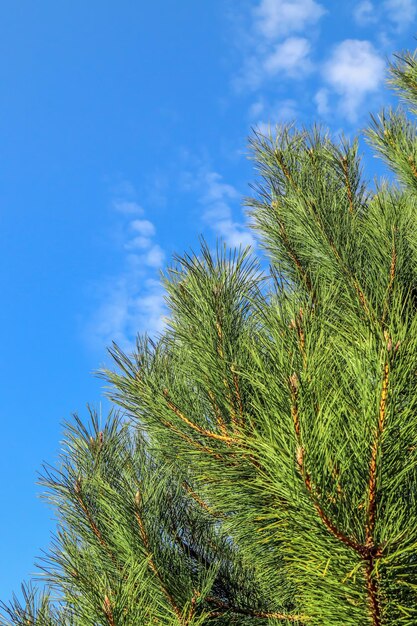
x=123 y=132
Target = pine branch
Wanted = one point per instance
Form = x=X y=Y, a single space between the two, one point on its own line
x=202 y=431
x=253 y=613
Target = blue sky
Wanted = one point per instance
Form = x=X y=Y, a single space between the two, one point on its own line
x=123 y=136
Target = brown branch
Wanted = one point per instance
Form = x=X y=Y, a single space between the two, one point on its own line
x=297 y=325
x=285 y=170
x=413 y=167
x=93 y=525
x=192 y=442
x=331 y=527
x=304 y=275
x=373 y=551
x=299 y=266
x=219 y=418
x=253 y=612
x=108 y=611
x=372 y=588
x=193 y=607
x=361 y=296
x=199 y=429
x=201 y=502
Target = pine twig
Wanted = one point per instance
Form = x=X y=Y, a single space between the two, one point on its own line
x=199 y=429
x=253 y=612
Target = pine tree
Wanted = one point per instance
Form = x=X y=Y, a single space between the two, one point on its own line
x=263 y=469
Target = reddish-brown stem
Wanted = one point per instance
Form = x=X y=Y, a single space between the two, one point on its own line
x=412 y=165
x=252 y=612
x=371 y=581
x=331 y=527
x=200 y=501
x=108 y=611
x=372 y=588
x=219 y=418
x=194 y=444
x=91 y=522
x=199 y=429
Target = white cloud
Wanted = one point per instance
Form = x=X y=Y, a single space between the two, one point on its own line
x=257 y=108
x=402 y=13
x=365 y=13
x=155 y=256
x=125 y=311
x=276 y=41
x=353 y=71
x=264 y=116
x=215 y=191
x=322 y=101
x=127 y=207
x=131 y=301
x=216 y=198
x=143 y=227
x=397 y=14
x=290 y=57
x=138 y=243
x=144 y=230
x=279 y=18
x=234 y=234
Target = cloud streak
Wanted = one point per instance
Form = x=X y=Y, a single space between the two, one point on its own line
x=276 y=44
x=397 y=15
x=402 y=13
x=217 y=200
x=291 y=57
x=131 y=301
x=264 y=115
x=280 y=18
x=365 y=13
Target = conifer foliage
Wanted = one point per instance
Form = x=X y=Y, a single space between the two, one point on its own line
x=263 y=467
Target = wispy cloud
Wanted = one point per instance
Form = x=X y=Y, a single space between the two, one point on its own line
x=217 y=200
x=264 y=115
x=365 y=13
x=397 y=15
x=290 y=57
x=276 y=43
x=132 y=300
x=354 y=70
x=402 y=13
x=127 y=207
x=279 y=18
x=322 y=101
